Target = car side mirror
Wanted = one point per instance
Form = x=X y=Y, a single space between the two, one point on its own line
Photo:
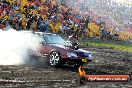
x=42 y=43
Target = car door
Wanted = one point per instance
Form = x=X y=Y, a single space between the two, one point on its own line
x=47 y=45
x=43 y=48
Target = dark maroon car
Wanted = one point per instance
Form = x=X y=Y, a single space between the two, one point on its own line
x=58 y=51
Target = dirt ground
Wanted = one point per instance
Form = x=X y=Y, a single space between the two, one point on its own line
x=106 y=61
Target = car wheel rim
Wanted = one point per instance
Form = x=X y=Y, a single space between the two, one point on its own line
x=54 y=58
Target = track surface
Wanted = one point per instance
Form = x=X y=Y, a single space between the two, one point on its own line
x=106 y=61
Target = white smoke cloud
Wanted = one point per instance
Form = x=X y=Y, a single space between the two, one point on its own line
x=13 y=46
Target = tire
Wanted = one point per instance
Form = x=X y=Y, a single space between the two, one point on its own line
x=54 y=59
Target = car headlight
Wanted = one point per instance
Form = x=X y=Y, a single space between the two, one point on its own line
x=90 y=55
x=71 y=54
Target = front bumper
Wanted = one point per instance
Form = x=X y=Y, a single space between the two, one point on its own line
x=79 y=56
x=79 y=60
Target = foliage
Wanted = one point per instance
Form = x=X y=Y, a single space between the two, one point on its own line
x=121 y=46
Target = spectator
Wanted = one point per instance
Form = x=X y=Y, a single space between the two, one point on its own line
x=103 y=33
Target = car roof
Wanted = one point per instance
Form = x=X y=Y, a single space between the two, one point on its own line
x=26 y=31
x=44 y=33
x=39 y=33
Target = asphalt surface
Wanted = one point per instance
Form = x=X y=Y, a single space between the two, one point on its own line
x=106 y=61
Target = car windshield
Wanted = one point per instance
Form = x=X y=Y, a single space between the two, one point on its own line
x=54 y=39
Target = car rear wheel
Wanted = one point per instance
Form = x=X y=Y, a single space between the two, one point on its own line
x=54 y=59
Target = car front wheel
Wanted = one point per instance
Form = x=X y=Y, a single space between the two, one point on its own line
x=54 y=59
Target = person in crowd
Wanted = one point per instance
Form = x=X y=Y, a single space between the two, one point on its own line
x=48 y=16
x=103 y=33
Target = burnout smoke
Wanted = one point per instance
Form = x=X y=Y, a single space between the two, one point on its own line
x=14 y=46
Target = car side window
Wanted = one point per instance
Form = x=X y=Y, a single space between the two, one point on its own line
x=45 y=39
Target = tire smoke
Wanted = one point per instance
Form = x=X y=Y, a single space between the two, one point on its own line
x=14 y=45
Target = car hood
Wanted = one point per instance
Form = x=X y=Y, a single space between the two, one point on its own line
x=62 y=47
x=79 y=52
x=69 y=48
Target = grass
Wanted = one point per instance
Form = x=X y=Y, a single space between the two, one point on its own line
x=121 y=46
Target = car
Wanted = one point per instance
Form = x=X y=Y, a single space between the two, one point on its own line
x=58 y=51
